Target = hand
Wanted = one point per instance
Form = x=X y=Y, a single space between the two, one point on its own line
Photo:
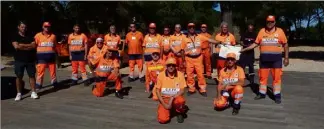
x=183 y=64
x=286 y=62
x=85 y=57
x=70 y=57
x=166 y=106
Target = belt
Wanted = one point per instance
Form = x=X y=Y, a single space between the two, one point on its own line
x=195 y=56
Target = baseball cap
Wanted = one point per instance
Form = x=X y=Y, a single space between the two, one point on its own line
x=271 y=18
x=46 y=24
x=170 y=60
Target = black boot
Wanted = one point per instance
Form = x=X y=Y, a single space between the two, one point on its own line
x=259 y=96
x=278 y=99
x=236 y=108
x=130 y=79
x=87 y=82
x=74 y=82
x=180 y=118
x=203 y=94
x=118 y=94
x=142 y=79
x=190 y=93
x=235 y=111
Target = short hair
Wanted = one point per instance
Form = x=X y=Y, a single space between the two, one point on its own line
x=112 y=26
x=21 y=22
x=76 y=25
x=177 y=25
x=223 y=24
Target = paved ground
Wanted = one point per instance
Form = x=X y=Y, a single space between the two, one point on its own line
x=75 y=108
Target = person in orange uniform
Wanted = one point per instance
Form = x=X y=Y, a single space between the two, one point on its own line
x=112 y=40
x=193 y=59
x=231 y=80
x=46 y=54
x=134 y=40
x=176 y=47
x=107 y=69
x=205 y=50
x=226 y=38
x=154 y=68
x=165 y=40
x=96 y=51
x=169 y=90
x=152 y=43
x=78 y=49
x=271 y=40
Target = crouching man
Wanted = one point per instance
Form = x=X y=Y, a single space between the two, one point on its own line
x=169 y=90
x=231 y=81
x=107 y=69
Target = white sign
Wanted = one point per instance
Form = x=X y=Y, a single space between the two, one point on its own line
x=227 y=48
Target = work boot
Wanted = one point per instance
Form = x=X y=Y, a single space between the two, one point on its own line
x=180 y=118
x=190 y=93
x=203 y=94
x=131 y=79
x=87 y=82
x=142 y=80
x=74 y=82
x=278 y=99
x=259 y=96
x=151 y=95
x=235 y=111
x=119 y=95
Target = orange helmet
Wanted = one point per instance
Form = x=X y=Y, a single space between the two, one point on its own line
x=231 y=55
x=221 y=103
x=170 y=60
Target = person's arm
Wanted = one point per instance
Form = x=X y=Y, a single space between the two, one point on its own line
x=17 y=46
x=214 y=41
x=252 y=46
x=69 y=44
x=286 y=51
x=85 y=47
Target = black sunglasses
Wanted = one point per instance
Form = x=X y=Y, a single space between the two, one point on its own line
x=230 y=59
x=171 y=65
x=190 y=27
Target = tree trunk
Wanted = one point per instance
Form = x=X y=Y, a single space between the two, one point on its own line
x=226 y=12
x=319 y=24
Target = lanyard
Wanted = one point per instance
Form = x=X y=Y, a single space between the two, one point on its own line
x=193 y=41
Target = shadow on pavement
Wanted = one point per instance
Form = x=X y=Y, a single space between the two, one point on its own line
x=8 y=88
x=316 y=56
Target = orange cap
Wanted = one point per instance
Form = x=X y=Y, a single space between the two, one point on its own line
x=152 y=25
x=191 y=24
x=271 y=18
x=203 y=25
x=231 y=55
x=46 y=24
x=170 y=60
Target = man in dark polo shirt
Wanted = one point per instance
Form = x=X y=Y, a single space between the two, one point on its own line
x=247 y=58
x=25 y=57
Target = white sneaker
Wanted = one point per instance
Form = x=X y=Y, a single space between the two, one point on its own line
x=18 y=97
x=34 y=95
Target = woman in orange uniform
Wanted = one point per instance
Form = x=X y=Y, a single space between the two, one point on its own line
x=154 y=68
x=96 y=51
x=78 y=49
x=107 y=69
x=231 y=80
x=169 y=90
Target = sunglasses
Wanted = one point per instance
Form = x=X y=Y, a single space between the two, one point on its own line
x=99 y=42
x=155 y=54
x=132 y=26
x=230 y=59
x=270 y=21
x=203 y=27
x=191 y=27
x=171 y=65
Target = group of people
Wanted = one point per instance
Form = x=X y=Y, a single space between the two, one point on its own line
x=167 y=63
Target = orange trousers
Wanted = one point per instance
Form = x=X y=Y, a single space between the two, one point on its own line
x=178 y=104
x=206 y=59
x=135 y=59
x=194 y=64
x=236 y=93
x=41 y=70
x=276 y=83
x=75 y=67
x=101 y=84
